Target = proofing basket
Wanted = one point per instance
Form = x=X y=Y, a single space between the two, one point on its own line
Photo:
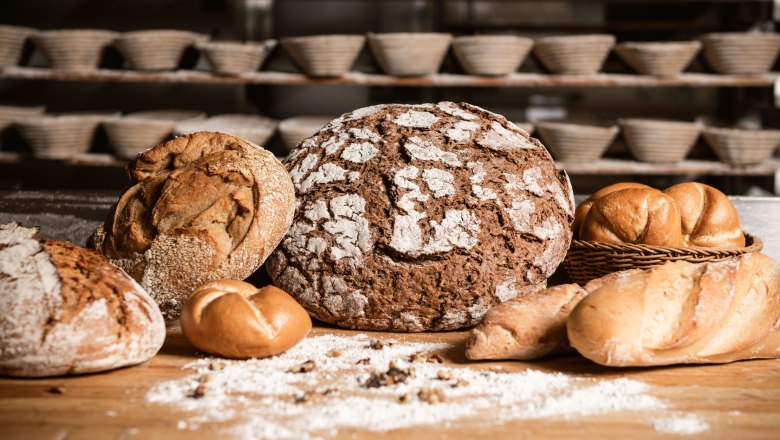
x=156 y=49
x=491 y=55
x=659 y=141
x=12 y=113
x=234 y=58
x=324 y=55
x=409 y=54
x=255 y=129
x=136 y=132
x=73 y=49
x=574 y=54
x=294 y=130
x=658 y=58
x=742 y=147
x=741 y=53
x=60 y=137
x=12 y=40
x=576 y=142
x=587 y=260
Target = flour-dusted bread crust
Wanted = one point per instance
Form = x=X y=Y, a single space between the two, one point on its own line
x=66 y=310
x=202 y=207
x=420 y=217
x=682 y=312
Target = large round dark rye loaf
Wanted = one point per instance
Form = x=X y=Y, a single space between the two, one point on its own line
x=420 y=217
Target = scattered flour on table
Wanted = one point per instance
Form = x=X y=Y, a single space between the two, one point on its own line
x=681 y=424
x=262 y=398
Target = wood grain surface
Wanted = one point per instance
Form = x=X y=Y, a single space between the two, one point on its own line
x=738 y=401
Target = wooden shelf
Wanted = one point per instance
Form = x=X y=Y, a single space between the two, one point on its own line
x=602 y=166
x=693 y=167
x=371 y=79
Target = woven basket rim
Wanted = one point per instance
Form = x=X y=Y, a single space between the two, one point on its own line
x=755 y=245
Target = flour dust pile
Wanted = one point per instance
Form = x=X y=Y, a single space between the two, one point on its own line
x=328 y=384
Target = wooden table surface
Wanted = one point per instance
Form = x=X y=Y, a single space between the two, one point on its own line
x=739 y=400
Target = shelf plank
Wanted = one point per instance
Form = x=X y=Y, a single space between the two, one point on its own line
x=602 y=166
x=693 y=167
x=518 y=80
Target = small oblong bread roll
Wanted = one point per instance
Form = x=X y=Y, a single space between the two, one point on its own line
x=531 y=326
x=683 y=313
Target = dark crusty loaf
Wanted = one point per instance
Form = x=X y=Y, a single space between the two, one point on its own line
x=203 y=206
x=65 y=309
x=420 y=217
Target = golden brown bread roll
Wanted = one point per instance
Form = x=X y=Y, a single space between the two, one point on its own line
x=530 y=326
x=634 y=215
x=234 y=319
x=582 y=209
x=203 y=206
x=683 y=313
x=709 y=219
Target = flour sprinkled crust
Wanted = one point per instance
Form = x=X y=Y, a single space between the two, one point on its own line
x=420 y=217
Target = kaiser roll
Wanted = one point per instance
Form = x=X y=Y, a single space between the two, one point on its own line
x=709 y=219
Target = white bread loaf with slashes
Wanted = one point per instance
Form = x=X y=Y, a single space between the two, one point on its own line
x=683 y=313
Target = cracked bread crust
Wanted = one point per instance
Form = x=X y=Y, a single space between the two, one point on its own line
x=66 y=310
x=201 y=207
x=420 y=217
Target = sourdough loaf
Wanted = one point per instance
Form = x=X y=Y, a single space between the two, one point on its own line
x=420 y=217
x=66 y=310
x=709 y=219
x=202 y=206
x=683 y=313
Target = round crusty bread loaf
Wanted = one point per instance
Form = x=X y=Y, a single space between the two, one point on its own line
x=583 y=208
x=202 y=206
x=634 y=215
x=420 y=217
x=709 y=219
x=66 y=310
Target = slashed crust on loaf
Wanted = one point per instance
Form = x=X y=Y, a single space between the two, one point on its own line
x=67 y=310
x=202 y=206
x=683 y=313
x=420 y=217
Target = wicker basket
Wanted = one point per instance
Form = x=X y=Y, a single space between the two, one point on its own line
x=60 y=137
x=587 y=260
x=659 y=58
x=235 y=58
x=741 y=53
x=73 y=49
x=527 y=126
x=12 y=40
x=570 y=142
x=255 y=129
x=409 y=54
x=659 y=141
x=12 y=113
x=324 y=55
x=294 y=130
x=742 y=147
x=156 y=49
x=574 y=54
x=136 y=132
x=491 y=55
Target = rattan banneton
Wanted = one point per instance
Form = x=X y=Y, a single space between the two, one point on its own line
x=587 y=260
